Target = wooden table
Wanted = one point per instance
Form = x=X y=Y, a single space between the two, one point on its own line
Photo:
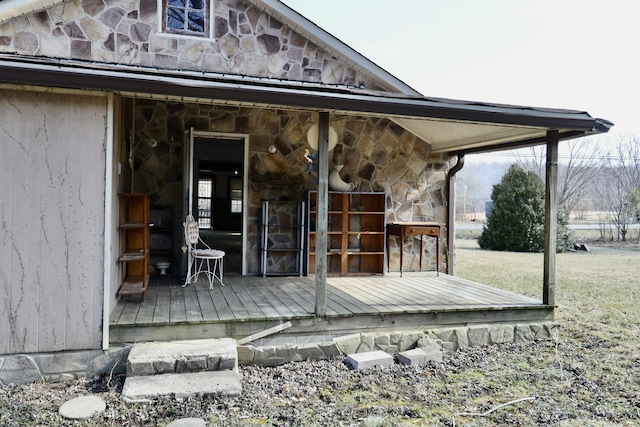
x=421 y=229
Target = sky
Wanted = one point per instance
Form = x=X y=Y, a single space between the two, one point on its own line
x=574 y=54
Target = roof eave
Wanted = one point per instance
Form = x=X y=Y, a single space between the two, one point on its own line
x=135 y=80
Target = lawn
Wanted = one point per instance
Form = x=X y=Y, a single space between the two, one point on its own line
x=595 y=370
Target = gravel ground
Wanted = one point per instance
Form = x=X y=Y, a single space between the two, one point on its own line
x=584 y=380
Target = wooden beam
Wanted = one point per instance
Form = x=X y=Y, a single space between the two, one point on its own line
x=550 y=219
x=322 y=214
x=278 y=328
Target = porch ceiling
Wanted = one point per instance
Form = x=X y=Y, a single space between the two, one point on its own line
x=449 y=125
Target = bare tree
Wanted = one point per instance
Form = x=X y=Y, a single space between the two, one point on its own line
x=576 y=168
x=618 y=185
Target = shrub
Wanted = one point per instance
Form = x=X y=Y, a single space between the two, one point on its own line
x=517 y=217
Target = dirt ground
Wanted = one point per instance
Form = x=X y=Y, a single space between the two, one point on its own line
x=589 y=376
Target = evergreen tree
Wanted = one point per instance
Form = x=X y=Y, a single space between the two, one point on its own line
x=517 y=217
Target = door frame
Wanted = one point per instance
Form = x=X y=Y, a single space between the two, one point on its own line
x=189 y=148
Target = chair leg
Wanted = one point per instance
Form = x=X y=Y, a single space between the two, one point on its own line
x=218 y=266
x=221 y=261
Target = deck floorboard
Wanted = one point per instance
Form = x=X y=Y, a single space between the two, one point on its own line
x=258 y=300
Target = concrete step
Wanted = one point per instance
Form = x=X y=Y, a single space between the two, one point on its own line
x=157 y=358
x=368 y=359
x=149 y=387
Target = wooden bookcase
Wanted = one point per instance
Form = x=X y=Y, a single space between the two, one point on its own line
x=134 y=244
x=282 y=238
x=355 y=236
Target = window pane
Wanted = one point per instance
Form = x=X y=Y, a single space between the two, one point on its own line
x=236 y=206
x=196 y=4
x=196 y=22
x=204 y=222
x=179 y=3
x=204 y=208
x=175 y=19
x=204 y=187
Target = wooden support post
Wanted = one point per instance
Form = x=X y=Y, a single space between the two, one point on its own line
x=550 y=219
x=451 y=214
x=322 y=214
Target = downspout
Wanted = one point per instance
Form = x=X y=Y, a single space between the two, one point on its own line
x=451 y=213
x=108 y=200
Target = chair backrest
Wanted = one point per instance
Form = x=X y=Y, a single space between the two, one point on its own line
x=191 y=231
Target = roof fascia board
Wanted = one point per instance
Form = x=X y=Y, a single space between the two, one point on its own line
x=330 y=43
x=64 y=76
x=529 y=142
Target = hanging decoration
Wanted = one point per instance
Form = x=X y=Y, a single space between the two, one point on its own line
x=312 y=137
x=337 y=183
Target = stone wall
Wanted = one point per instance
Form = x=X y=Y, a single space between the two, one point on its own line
x=61 y=366
x=377 y=155
x=247 y=42
x=277 y=351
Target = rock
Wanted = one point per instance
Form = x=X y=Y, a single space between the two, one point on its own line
x=188 y=422
x=82 y=407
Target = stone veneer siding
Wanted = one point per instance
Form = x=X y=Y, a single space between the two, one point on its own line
x=247 y=42
x=377 y=154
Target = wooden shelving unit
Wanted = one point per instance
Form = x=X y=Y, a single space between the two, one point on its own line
x=283 y=230
x=355 y=236
x=134 y=244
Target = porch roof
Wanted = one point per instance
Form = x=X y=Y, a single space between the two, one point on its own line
x=451 y=126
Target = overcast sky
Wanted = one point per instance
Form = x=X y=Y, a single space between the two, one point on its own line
x=575 y=54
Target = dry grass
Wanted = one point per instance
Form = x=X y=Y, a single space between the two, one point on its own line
x=598 y=295
x=593 y=286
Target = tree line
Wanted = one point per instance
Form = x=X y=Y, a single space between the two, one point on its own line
x=594 y=174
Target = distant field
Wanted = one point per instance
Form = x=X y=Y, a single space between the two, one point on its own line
x=595 y=235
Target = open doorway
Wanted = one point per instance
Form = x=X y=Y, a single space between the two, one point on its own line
x=217 y=195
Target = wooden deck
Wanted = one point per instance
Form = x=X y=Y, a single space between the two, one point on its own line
x=249 y=304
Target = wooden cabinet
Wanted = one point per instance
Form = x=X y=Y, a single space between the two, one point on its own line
x=355 y=236
x=134 y=244
x=282 y=237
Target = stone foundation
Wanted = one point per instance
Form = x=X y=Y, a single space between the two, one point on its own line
x=70 y=365
x=277 y=351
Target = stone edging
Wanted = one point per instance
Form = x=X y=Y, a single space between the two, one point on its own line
x=450 y=339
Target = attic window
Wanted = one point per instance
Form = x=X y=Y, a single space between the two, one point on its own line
x=186 y=17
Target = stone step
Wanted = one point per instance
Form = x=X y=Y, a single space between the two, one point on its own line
x=213 y=383
x=156 y=358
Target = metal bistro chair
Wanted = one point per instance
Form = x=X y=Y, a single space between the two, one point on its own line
x=208 y=261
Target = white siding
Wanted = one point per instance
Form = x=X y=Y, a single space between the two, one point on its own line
x=52 y=171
